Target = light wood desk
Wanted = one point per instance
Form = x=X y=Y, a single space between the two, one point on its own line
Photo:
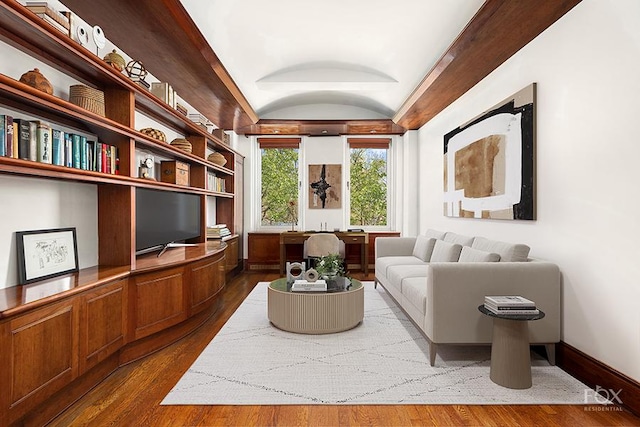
x=349 y=238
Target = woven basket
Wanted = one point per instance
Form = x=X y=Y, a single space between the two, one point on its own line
x=217 y=159
x=88 y=98
x=182 y=144
x=155 y=134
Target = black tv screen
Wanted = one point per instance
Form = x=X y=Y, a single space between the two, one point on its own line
x=164 y=217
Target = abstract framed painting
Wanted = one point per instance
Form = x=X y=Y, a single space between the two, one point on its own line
x=325 y=186
x=489 y=162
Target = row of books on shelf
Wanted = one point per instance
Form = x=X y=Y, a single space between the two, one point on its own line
x=510 y=305
x=218 y=231
x=37 y=141
x=215 y=184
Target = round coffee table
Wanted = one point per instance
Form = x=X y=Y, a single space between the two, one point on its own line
x=510 y=352
x=339 y=309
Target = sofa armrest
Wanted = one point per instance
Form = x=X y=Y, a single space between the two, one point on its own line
x=455 y=290
x=394 y=246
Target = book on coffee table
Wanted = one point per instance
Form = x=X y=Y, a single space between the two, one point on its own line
x=306 y=286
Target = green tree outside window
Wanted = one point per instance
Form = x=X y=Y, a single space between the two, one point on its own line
x=279 y=185
x=368 y=183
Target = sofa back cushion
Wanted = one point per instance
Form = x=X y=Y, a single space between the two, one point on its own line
x=445 y=252
x=458 y=238
x=508 y=252
x=474 y=255
x=435 y=234
x=423 y=248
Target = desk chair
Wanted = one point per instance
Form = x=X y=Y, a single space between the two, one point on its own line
x=322 y=244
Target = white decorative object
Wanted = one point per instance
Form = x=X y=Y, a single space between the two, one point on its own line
x=311 y=275
x=99 y=37
x=295 y=271
x=82 y=36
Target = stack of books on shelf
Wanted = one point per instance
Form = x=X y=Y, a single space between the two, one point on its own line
x=61 y=21
x=510 y=305
x=218 y=231
x=214 y=183
x=37 y=141
x=199 y=120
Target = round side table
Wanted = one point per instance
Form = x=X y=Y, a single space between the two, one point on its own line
x=510 y=352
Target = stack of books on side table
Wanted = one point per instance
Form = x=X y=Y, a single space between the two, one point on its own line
x=510 y=305
x=305 y=286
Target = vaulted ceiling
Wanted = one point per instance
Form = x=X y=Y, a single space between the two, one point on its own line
x=327 y=67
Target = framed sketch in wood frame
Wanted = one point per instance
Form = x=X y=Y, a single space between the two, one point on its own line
x=46 y=253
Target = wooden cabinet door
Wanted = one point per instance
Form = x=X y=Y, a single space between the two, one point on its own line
x=231 y=253
x=157 y=301
x=205 y=281
x=39 y=355
x=102 y=323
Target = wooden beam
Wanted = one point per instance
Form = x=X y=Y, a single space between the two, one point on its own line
x=498 y=30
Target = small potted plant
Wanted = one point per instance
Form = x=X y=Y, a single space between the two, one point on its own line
x=330 y=266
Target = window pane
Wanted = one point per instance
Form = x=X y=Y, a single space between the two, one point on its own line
x=279 y=186
x=368 y=186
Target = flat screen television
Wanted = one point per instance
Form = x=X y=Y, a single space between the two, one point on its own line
x=165 y=217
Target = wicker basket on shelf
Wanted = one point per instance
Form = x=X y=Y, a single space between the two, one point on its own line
x=217 y=158
x=182 y=144
x=88 y=98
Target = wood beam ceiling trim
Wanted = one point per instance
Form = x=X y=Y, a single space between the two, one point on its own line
x=496 y=32
x=323 y=127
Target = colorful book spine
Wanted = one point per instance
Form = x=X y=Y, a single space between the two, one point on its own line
x=44 y=142
x=3 y=130
x=68 y=150
x=33 y=141
x=8 y=141
x=24 y=138
x=57 y=144
x=83 y=152
x=14 y=141
x=75 y=151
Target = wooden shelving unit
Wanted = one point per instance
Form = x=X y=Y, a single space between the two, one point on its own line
x=127 y=306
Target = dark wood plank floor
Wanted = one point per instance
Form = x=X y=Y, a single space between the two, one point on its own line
x=131 y=396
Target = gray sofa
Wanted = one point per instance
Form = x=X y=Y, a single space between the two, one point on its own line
x=439 y=279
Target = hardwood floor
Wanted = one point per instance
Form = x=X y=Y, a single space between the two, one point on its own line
x=131 y=396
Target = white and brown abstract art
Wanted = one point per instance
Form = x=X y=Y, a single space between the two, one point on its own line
x=489 y=162
x=325 y=186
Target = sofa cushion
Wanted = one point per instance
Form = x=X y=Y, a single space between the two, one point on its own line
x=414 y=290
x=383 y=263
x=435 y=234
x=508 y=251
x=423 y=248
x=397 y=273
x=474 y=255
x=458 y=238
x=445 y=252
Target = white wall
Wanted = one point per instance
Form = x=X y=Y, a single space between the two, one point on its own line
x=329 y=150
x=587 y=66
x=37 y=204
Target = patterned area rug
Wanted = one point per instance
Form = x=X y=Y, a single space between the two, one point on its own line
x=384 y=360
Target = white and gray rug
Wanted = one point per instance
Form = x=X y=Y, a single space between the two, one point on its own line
x=384 y=360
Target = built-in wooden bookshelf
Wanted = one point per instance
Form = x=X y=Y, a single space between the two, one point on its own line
x=64 y=335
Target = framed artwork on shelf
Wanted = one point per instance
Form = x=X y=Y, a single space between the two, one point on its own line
x=43 y=254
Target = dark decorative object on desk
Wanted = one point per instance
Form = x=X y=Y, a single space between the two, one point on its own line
x=46 y=253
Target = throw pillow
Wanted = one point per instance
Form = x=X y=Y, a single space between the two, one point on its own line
x=474 y=255
x=435 y=234
x=445 y=252
x=423 y=248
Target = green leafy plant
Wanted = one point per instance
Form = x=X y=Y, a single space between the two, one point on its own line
x=330 y=264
